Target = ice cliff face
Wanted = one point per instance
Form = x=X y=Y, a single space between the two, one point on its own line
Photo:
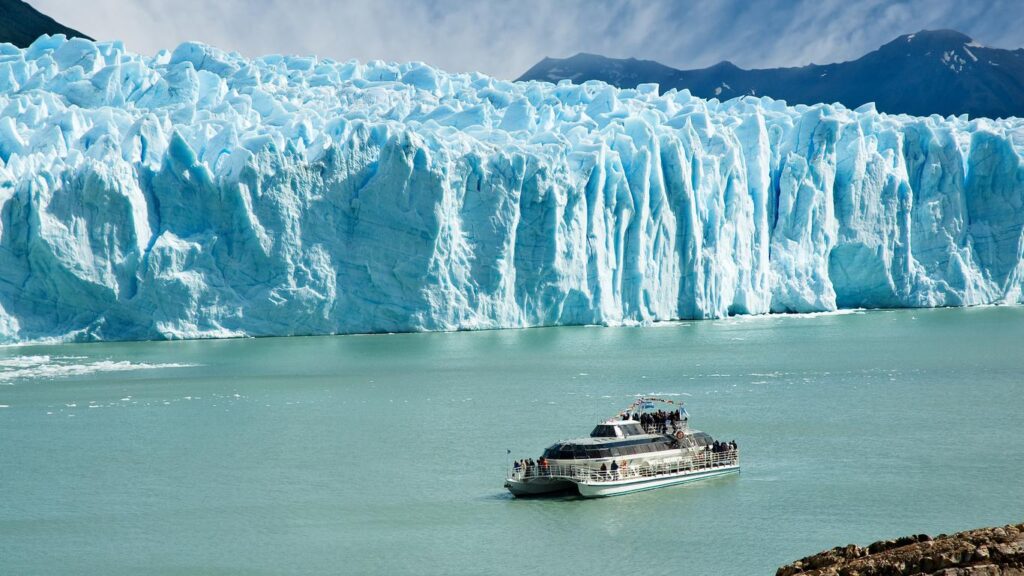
x=199 y=193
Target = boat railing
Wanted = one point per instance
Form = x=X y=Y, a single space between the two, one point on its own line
x=587 y=472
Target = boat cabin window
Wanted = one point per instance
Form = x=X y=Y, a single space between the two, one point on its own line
x=606 y=431
x=575 y=452
x=632 y=429
x=559 y=452
x=625 y=447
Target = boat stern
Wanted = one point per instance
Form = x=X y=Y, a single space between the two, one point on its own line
x=539 y=486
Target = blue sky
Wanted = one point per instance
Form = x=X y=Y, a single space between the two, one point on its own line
x=504 y=38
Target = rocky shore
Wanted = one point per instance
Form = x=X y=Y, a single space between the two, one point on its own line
x=981 y=552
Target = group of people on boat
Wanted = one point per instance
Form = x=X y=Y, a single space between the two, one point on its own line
x=720 y=452
x=528 y=467
x=614 y=470
x=720 y=447
x=658 y=422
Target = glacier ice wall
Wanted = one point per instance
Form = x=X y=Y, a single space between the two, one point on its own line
x=199 y=193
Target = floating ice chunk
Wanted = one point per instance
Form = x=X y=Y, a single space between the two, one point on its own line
x=32 y=367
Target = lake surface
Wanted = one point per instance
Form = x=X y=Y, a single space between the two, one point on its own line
x=385 y=454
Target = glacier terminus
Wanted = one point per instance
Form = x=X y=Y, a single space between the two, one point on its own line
x=198 y=193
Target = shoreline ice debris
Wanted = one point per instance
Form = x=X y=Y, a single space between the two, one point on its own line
x=201 y=194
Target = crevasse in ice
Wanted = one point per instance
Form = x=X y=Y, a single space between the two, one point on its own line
x=198 y=193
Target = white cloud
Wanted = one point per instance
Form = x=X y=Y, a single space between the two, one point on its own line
x=504 y=38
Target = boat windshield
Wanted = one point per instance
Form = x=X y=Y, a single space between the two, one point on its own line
x=616 y=430
x=632 y=429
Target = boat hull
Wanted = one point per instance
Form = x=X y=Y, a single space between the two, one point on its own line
x=638 y=484
x=539 y=486
x=604 y=487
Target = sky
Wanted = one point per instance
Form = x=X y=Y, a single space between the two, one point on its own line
x=505 y=38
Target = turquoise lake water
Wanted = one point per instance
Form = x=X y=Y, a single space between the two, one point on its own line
x=385 y=454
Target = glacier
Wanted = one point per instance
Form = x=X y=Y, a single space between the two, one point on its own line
x=198 y=193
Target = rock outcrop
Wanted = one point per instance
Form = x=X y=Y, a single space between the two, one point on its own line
x=982 y=552
x=21 y=24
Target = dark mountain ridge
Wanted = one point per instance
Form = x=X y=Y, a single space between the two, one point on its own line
x=931 y=72
x=21 y=24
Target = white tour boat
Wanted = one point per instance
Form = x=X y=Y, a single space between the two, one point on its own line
x=639 y=450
